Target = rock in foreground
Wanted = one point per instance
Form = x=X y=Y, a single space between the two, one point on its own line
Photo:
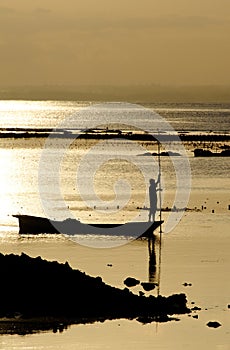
x=33 y=287
x=213 y=324
x=131 y=282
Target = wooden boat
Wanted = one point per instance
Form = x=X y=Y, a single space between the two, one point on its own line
x=36 y=225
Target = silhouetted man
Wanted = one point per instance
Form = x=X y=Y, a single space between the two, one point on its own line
x=153 y=198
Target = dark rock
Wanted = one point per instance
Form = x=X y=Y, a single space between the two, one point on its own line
x=187 y=284
x=131 y=282
x=213 y=324
x=166 y=154
x=196 y=308
x=36 y=288
x=147 y=286
x=158 y=318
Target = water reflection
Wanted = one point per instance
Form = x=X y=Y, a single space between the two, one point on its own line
x=25 y=327
x=152 y=259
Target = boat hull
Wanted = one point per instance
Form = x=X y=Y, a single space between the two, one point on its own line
x=37 y=225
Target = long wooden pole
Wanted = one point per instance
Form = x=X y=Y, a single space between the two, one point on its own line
x=159 y=176
x=160 y=242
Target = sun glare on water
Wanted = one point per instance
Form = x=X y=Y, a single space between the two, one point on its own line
x=14 y=105
x=7 y=185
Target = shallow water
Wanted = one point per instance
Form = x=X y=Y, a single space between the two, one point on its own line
x=196 y=251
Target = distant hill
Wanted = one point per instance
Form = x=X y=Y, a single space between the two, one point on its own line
x=137 y=93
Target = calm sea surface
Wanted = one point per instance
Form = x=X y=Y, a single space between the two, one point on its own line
x=107 y=181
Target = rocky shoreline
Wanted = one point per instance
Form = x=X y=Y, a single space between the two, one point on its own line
x=36 y=289
x=26 y=133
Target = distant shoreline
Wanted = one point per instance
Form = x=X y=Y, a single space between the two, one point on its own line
x=101 y=134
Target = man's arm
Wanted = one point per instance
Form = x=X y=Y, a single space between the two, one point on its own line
x=158 y=179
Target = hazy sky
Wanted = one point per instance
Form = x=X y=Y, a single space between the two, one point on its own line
x=114 y=42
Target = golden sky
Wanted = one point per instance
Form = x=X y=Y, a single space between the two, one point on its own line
x=72 y=42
